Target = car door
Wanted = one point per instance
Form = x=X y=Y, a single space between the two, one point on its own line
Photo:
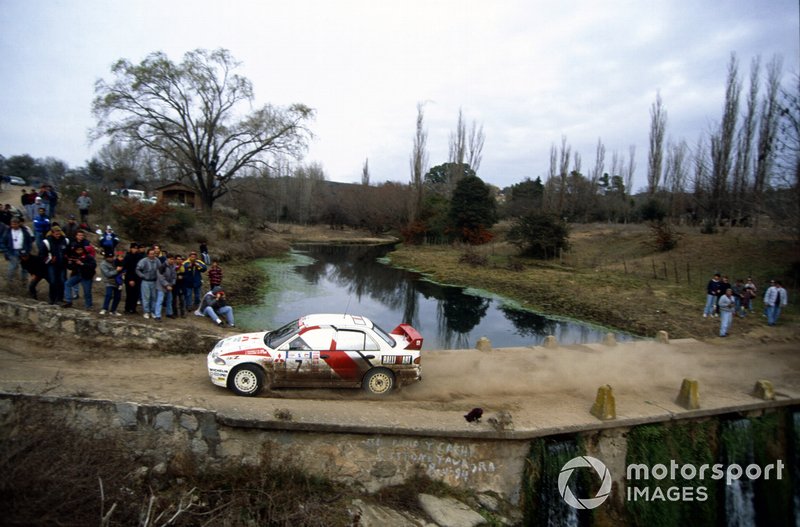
x=303 y=365
x=351 y=356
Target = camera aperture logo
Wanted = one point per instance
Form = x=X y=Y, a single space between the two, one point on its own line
x=584 y=462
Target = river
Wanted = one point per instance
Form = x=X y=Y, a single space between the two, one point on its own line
x=357 y=279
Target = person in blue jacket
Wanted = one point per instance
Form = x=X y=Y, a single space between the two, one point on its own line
x=192 y=270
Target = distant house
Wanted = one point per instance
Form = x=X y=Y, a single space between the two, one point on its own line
x=179 y=193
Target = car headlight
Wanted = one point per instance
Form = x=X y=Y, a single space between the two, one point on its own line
x=216 y=358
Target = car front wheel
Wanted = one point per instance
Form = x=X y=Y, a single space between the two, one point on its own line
x=246 y=380
x=379 y=381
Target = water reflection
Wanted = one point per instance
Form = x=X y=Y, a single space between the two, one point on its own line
x=328 y=278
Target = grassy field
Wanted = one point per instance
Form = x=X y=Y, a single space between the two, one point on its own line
x=614 y=277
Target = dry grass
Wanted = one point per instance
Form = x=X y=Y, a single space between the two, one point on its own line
x=613 y=276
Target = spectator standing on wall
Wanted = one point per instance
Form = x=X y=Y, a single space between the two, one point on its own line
x=111 y=269
x=34 y=265
x=165 y=283
x=83 y=267
x=83 y=203
x=147 y=271
x=192 y=270
x=15 y=240
x=41 y=226
x=56 y=247
x=132 y=280
x=178 y=291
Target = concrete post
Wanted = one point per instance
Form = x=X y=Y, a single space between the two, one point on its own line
x=605 y=407
x=662 y=337
x=764 y=390
x=610 y=339
x=550 y=342
x=484 y=344
x=689 y=396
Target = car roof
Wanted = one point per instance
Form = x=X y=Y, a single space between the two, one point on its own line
x=336 y=320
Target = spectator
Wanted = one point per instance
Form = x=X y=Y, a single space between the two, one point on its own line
x=36 y=268
x=215 y=275
x=71 y=228
x=41 y=226
x=109 y=241
x=727 y=305
x=132 y=280
x=53 y=195
x=30 y=206
x=165 y=283
x=147 y=271
x=204 y=252
x=192 y=270
x=83 y=267
x=774 y=299
x=56 y=247
x=713 y=292
x=111 y=269
x=215 y=304
x=178 y=292
x=738 y=295
x=15 y=240
x=80 y=241
x=84 y=202
x=750 y=293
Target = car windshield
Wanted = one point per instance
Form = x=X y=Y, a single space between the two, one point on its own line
x=273 y=339
x=385 y=336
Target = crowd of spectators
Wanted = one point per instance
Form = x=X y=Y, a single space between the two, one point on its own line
x=152 y=280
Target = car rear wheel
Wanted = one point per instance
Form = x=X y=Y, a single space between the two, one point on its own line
x=378 y=381
x=246 y=380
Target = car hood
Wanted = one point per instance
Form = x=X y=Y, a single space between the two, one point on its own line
x=243 y=344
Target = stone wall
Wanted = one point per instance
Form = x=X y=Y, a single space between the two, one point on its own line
x=161 y=433
x=54 y=319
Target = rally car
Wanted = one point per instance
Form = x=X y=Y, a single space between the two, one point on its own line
x=318 y=351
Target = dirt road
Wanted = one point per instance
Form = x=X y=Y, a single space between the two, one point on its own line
x=542 y=389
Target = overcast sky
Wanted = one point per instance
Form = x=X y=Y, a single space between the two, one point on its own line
x=529 y=71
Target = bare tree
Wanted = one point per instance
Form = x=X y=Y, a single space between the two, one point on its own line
x=563 y=173
x=722 y=142
x=188 y=113
x=767 y=130
x=630 y=170
x=419 y=162
x=658 y=126
x=475 y=146
x=365 y=173
x=743 y=166
x=458 y=141
x=599 y=164
x=675 y=176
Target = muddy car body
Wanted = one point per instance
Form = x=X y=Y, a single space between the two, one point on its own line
x=318 y=351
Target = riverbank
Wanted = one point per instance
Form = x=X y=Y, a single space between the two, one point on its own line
x=612 y=278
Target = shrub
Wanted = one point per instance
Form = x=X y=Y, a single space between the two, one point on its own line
x=144 y=221
x=540 y=235
x=664 y=237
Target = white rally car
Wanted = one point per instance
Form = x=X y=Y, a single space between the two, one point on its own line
x=318 y=351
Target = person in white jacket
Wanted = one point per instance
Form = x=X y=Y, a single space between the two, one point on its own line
x=774 y=299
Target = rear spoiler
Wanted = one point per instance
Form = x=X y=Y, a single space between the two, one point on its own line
x=412 y=336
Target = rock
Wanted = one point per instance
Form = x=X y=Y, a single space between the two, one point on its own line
x=662 y=337
x=449 y=512
x=489 y=502
x=165 y=421
x=370 y=515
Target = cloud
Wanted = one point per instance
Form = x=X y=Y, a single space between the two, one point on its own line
x=530 y=72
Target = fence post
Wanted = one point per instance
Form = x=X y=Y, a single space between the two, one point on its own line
x=655 y=275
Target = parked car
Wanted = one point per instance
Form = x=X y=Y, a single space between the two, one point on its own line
x=318 y=351
x=16 y=180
